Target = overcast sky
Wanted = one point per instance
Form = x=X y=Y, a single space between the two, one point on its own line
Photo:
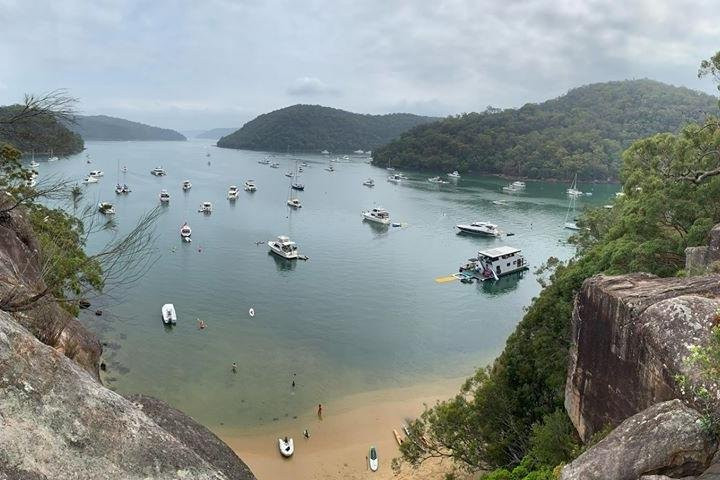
x=218 y=63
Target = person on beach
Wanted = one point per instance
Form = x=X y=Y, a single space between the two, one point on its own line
x=234 y=367
x=293 y=384
x=320 y=411
x=306 y=433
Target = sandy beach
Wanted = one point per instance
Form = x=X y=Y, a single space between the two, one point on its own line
x=340 y=441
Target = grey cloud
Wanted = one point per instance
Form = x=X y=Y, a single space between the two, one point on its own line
x=310 y=86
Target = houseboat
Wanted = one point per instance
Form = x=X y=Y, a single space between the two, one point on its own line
x=495 y=263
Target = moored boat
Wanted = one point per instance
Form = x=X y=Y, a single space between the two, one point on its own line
x=168 y=314
x=233 y=192
x=396 y=178
x=106 y=208
x=369 y=182
x=480 y=228
x=294 y=203
x=274 y=165
x=495 y=263
x=164 y=196
x=186 y=185
x=186 y=232
x=284 y=247
x=158 y=171
x=250 y=186
x=96 y=173
x=205 y=207
x=377 y=215
x=454 y=174
x=287 y=447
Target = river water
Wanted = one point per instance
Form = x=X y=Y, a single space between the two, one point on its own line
x=363 y=313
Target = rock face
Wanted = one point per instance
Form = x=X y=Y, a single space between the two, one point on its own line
x=630 y=338
x=57 y=421
x=198 y=438
x=20 y=277
x=666 y=439
x=698 y=259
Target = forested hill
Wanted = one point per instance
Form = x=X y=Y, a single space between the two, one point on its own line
x=216 y=133
x=313 y=128
x=583 y=131
x=102 y=127
x=39 y=134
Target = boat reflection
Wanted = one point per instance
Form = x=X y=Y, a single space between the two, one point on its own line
x=505 y=284
x=283 y=264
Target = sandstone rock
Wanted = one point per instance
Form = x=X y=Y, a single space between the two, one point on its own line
x=57 y=422
x=195 y=436
x=20 y=277
x=666 y=439
x=700 y=258
x=631 y=335
x=664 y=477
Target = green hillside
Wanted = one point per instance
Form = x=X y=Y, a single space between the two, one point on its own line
x=102 y=127
x=39 y=134
x=313 y=128
x=583 y=131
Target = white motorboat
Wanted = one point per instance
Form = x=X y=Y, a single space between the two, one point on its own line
x=233 y=192
x=164 y=196
x=206 y=207
x=511 y=189
x=377 y=215
x=390 y=169
x=345 y=157
x=454 y=174
x=325 y=152
x=480 y=228
x=106 y=208
x=330 y=168
x=284 y=247
x=186 y=232
x=500 y=203
x=90 y=180
x=358 y=152
x=125 y=188
x=304 y=164
x=96 y=173
x=288 y=173
x=168 y=314
x=274 y=165
x=437 y=180
x=250 y=186
x=517 y=184
x=369 y=182
x=396 y=178
x=373 y=459
x=118 y=189
x=158 y=171
x=294 y=202
x=124 y=169
x=264 y=161
x=32 y=182
x=287 y=447
x=186 y=185
x=34 y=164
x=495 y=263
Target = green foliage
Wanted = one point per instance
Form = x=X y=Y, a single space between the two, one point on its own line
x=584 y=131
x=102 y=127
x=520 y=473
x=313 y=128
x=512 y=412
x=41 y=134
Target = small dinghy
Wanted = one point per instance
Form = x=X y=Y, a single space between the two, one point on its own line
x=287 y=448
x=168 y=314
x=373 y=459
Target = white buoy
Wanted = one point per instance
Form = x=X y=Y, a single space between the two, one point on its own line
x=251 y=312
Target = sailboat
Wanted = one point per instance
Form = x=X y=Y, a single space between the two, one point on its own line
x=52 y=158
x=33 y=163
x=295 y=185
x=570 y=215
x=293 y=202
x=573 y=190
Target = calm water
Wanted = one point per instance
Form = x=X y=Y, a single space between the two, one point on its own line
x=363 y=313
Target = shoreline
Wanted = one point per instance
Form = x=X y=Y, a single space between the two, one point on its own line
x=339 y=442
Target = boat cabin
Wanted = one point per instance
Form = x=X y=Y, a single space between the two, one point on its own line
x=496 y=262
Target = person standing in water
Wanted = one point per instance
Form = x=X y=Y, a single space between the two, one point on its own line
x=234 y=367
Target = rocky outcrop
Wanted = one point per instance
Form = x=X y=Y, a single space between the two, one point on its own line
x=666 y=439
x=20 y=277
x=57 y=421
x=195 y=436
x=631 y=336
x=699 y=259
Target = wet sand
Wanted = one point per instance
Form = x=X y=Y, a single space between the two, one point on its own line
x=339 y=442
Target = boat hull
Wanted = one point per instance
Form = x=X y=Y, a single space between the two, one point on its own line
x=280 y=253
x=475 y=231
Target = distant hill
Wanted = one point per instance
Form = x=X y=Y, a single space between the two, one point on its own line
x=216 y=133
x=41 y=135
x=313 y=128
x=102 y=127
x=583 y=131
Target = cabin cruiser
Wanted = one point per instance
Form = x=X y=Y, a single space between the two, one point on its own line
x=287 y=448
x=284 y=247
x=369 y=182
x=480 y=228
x=288 y=173
x=250 y=186
x=495 y=263
x=454 y=174
x=294 y=202
x=264 y=161
x=120 y=189
x=168 y=314
x=89 y=179
x=185 y=232
x=34 y=164
x=164 y=196
x=517 y=184
x=358 y=152
x=437 y=180
x=395 y=178
x=158 y=171
x=186 y=185
x=325 y=152
x=233 y=192
x=377 y=215
x=206 y=207
x=274 y=165
x=297 y=186
x=96 y=173
x=106 y=208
